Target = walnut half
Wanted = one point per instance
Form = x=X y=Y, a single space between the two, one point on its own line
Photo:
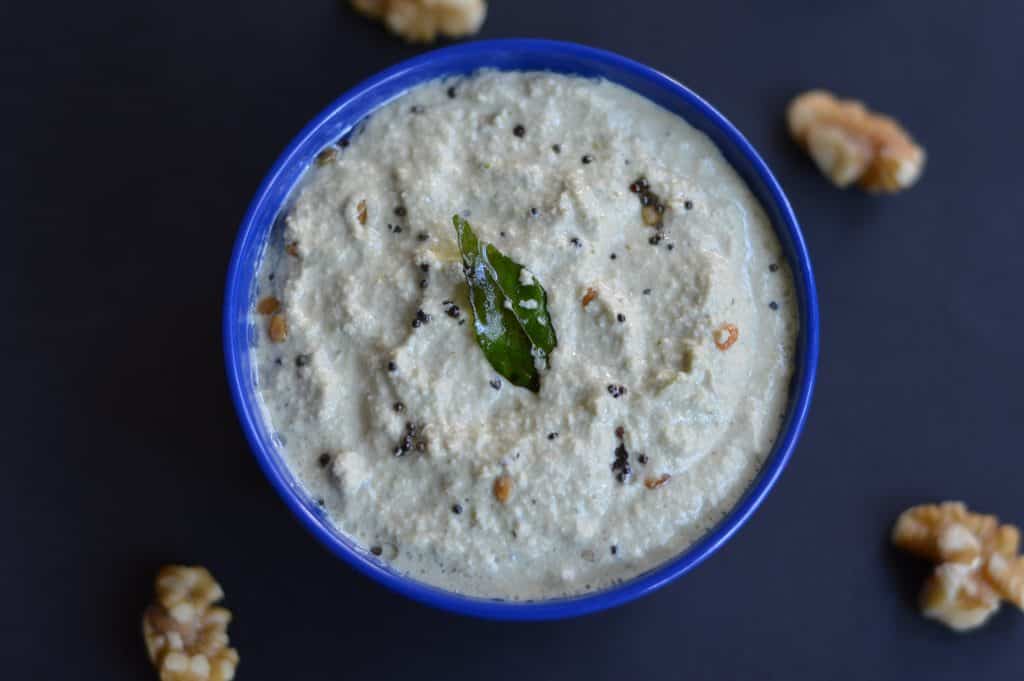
x=185 y=634
x=977 y=559
x=420 y=21
x=956 y=596
x=850 y=143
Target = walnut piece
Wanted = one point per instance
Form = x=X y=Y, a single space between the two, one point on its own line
x=956 y=596
x=420 y=21
x=977 y=562
x=850 y=143
x=185 y=634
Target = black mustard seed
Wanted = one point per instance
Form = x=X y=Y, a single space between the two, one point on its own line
x=616 y=391
x=519 y=131
x=623 y=471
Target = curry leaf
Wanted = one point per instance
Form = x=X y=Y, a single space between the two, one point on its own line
x=510 y=310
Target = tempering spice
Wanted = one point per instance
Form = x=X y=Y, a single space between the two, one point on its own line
x=620 y=467
x=278 y=328
x=326 y=157
x=616 y=390
x=268 y=305
x=652 y=209
x=589 y=296
x=655 y=483
x=503 y=487
x=725 y=335
x=412 y=438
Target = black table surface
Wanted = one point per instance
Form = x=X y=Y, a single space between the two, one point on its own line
x=136 y=132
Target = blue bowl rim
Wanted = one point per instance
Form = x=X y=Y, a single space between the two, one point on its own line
x=237 y=297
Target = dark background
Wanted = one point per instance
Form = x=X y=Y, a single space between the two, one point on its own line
x=135 y=134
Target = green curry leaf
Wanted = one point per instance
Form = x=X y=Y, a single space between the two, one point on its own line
x=510 y=310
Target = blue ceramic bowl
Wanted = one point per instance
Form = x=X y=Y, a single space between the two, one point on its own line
x=338 y=119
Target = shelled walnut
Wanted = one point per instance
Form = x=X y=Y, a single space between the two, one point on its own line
x=185 y=634
x=849 y=143
x=978 y=562
x=956 y=596
x=420 y=21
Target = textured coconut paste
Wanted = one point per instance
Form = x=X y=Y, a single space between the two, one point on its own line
x=672 y=302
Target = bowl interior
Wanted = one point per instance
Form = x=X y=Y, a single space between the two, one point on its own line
x=337 y=120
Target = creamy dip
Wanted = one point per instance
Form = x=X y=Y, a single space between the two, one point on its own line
x=648 y=424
